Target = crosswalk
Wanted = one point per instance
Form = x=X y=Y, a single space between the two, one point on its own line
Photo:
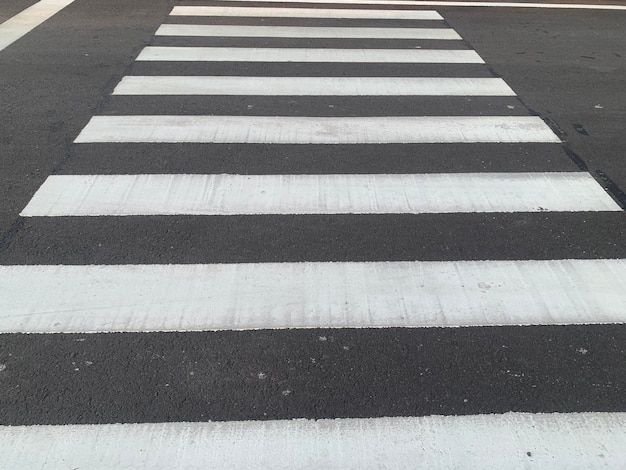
x=341 y=166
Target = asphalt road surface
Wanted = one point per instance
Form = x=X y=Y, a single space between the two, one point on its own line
x=287 y=235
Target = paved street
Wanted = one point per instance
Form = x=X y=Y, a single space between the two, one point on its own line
x=281 y=235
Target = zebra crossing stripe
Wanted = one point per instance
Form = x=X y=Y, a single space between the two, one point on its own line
x=109 y=298
x=268 y=12
x=312 y=86
x=255 y=54
x=316 y=130
x=513 y=440
x=342 y=2
x=449 y=3
x=223 y=194
x=205 y=30
x=24 y=22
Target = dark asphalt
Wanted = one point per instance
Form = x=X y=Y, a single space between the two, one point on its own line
x=271 y=238
x=569 y=67
x=284 y=374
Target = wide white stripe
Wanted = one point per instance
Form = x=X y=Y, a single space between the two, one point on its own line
x=312 y=86
x=316 y=130
x=253 y=54
x=562 y=6
x=305 y=32
x=270 y=12
x=24 y=22
x=512 y=441
x=123 y=195
x=49 y=299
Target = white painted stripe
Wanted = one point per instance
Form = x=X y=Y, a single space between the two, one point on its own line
x=420 y=3
x=254 y=54
x=123 y=195
x=24 y=22
x=491 y=442
x=305 y=32
x=270 y=12
x=429 y=3
x=558 y=6
x=312 y=86
x=89 y=299
x=316 y=130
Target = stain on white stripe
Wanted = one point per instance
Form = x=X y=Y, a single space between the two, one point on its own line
x=512 y=440
x=107 y=298
x=312 y=86
x=253 y=54
x=305 y=32
x=269 y=12
x=223 y=194
x=316 y=130
x=24 y=22
x=563 y=6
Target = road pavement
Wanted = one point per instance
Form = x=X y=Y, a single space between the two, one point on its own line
x=379 y=274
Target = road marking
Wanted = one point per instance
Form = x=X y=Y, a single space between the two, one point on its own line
x=429 y=3
x=305 y=32
x=312 y=86
x=24 y=22
x=223 y=194
x=316 y=130
x=269 y=12
x=99 y=298
x=255 y=54
x=513 y=440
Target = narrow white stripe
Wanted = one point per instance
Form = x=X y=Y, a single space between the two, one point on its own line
x=563 y=6
x=513 y=441
x=269 y=12
x=305 y=32
x=316 y=130
x=123 y=195
x=312 y=86
x=24 y=22
x=253 y=54
x=52 y=299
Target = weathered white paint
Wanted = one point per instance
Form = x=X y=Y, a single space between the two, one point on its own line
x=429 y=3
x=272 y=12
x=512 y=441
x=27 y=20
x=312 y=86
x=224 y=194
x=316 y=130
x=254 y=54
x=305 y=32
x=52 y=299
